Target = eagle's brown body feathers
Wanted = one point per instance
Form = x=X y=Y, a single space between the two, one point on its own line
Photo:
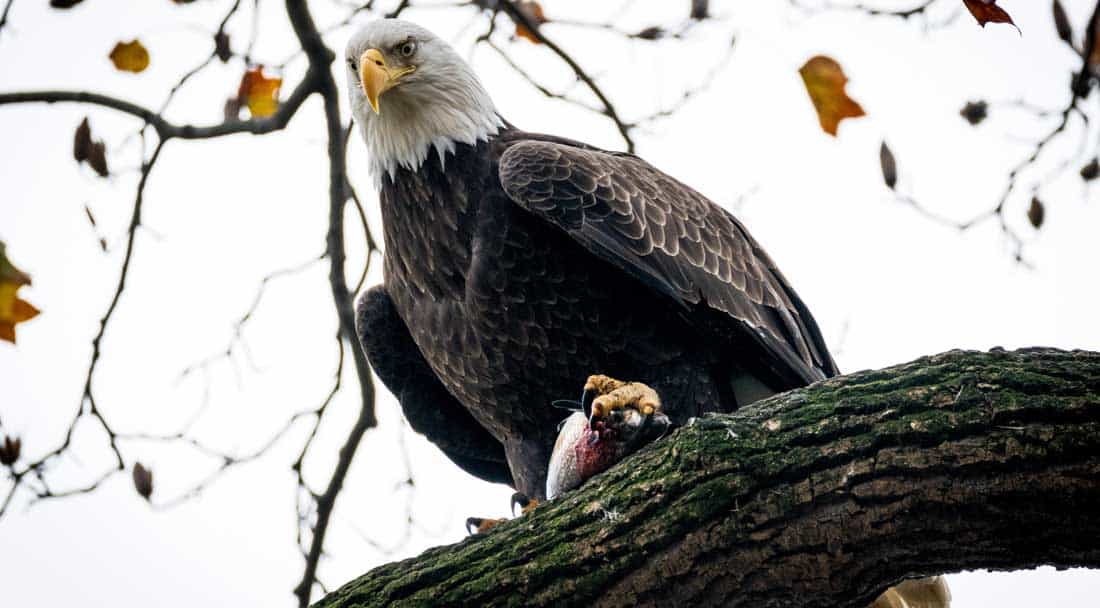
x=530 y=262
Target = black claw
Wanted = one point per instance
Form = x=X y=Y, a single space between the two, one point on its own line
x=472 y=525
x=521 y=499
x=587 y=397
x=567 y=404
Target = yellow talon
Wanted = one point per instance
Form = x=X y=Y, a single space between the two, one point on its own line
x=616 y=394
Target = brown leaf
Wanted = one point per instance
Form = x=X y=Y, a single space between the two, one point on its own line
x=98 y=159
x=889 y=166
x=825 y=82
x=221 y=47
x=1061 y=23
x=143 y=480
x=82 y=141
x=532 y=11
x=130 y=56
x=9 y=450
x=259 y=93
x=91 y=151
x=654 y=32
x=64 y=3
x=1091 y=171
x=1094 y=58
x=13 y=310
x=700 y=9
x=975 y=111
x=1036 y=213
x=987 y=11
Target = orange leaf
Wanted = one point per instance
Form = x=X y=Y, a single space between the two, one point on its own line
x=259 y=93
x=12 y=309
x=987 y=11
x=825 y=82
x=130 y=57
x=534 y=15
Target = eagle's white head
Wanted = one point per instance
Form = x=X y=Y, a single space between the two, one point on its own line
x=410 y=92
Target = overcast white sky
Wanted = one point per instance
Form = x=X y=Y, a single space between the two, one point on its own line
x=221 y=214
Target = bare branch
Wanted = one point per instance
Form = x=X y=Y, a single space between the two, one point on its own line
x=4 y=15
x=320 y=55
x=88 y=404
x=510 y=9
x=873 y=11
x=167 y=130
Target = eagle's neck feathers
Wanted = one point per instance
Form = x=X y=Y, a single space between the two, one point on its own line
x=439 y=115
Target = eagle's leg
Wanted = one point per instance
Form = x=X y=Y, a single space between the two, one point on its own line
x=527 y=458
x=428 y=406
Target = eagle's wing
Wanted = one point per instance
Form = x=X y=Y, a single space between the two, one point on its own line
x=671 y=238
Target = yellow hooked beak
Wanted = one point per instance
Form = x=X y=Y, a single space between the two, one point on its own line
x=376 y=78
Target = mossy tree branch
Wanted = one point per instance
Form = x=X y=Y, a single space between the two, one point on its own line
x=822 y=496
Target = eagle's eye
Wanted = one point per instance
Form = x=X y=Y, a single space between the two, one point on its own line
x=351 y=64
x=407 y=48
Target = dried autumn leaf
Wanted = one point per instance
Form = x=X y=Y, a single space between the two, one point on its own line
x=825 y=82
x=130 y=56
x=91 y=151
x=12 y=309
x=221 y=47
x=653 y=32
x=259 y=93
x=1061 y=23
x=1036 y=213
x=1091 y=171
x=987 y=11
x=975 y=112
x=82 y=141
x=1093 y=60
x=64 y=3
x=700 y=9
x=532 y=12
x=9 y=450
x=97 y=159
x=889 y=166
x=143 y=480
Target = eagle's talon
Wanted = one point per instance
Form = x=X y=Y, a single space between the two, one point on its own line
x=525 y=504
x=613 y=395
x=481 y=525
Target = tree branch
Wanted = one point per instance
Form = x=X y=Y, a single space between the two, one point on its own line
x=167 y=130
x=320 y=56
x=822 y=496
x=609 y=110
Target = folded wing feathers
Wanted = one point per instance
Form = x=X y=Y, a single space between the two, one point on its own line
x=667 y=235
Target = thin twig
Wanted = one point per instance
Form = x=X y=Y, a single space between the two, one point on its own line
x=517 y=15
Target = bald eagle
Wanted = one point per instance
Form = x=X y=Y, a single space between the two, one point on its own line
x=516 y=264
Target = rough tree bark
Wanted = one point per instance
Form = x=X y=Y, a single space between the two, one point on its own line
x=822 y=496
